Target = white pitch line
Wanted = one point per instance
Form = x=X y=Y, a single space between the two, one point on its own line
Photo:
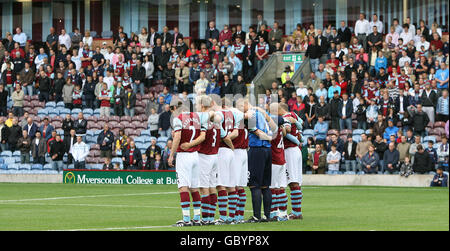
x=87 y=196
x=112 y=228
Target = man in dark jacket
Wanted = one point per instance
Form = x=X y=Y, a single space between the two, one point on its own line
x=38 y=149
x=227 y=86
x=57 y=153
x=31 y=128
x=89 y=92
x=24 y=146
x=80 y=125
x=248 y=62
x=390 y=159
x=58 y=87
x=440 y=179
x=44 y=87
x=345 y=106
x=344 y=33
x=69 y=141
x=164 y=126
x=14 y=133
x=105 y=139
x=334 y=111
x=350 y=154
x=420 y=121
x=138 y=76
x=132 y=158
x=67 y=125
x=422 y=162
x=3 y=100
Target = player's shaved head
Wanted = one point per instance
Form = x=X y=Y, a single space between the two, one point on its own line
x=283 y=107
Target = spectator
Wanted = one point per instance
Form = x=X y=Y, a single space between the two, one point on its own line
x=105 y=105
x=153 y=122
x=14 y=133
x=164 y=122
x=443 y=153
x=67 y=94
x=121 y=143
x=420 y=121
x=391 y=159
x=80 y=125
x=118 y=96
x=362 y=147
x=31 y=128
x=69 y=142
x=432 y=152
x=79 y=151
x=24 y=146
x=406 y=168
x=422 y=163
x=390 y=130
x=108 y=165
x=319 y=160
x=129 y=102
x=3 y=100
x=153 y=149
x=440 y=179
x=38 y=149
x=345 y=108
x=132 y=158
x=403 y=148
x=333 y=160
x=46 y=128
x=18 y=97
x=442 y=107
x=105 y=139
x=3 y=135
x=67 y=125
x=57 y=153
x=369 y=162
x=320 y=130
x=350 y=154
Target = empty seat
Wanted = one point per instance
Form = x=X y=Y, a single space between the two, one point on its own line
x=356 y=138
x=37 y=167
x=439 y=124
x=6 y=154
x=25 y=167
x=428 y=138
x=358 y=131
x=107 y=34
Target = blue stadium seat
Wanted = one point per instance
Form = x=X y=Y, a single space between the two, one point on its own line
x=107 y=34
x=6 y=154
x=88 y=112
x=97 y=112
x=13 y=167
x=25 y=167
x=356 y=138
x=50 y=104
x=145 y=133
x=161 y=144
x=309 y=132
x=2 y=161
x=47 y=167
x=37 y=167
x=42 y=112
x=53 y=112
x=3 y=167
x=60 y=104
x=162 y=139
x=358 y=131
x=428 y=138
x=16 y=154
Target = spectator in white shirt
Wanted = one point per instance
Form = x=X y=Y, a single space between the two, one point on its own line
x=79 y=153
x=87 y=39
x=362 y=30
x=377 y=23
x=65 y=39
x=412 y=27
x=397 y=26
x=406 y=35
x=333 y=160
x=404 y=59
x=20 y=37
x=423 y=42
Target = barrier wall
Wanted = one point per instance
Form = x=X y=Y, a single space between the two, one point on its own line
x=145 y=177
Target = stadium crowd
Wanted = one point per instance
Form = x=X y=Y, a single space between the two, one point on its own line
x=376 y=100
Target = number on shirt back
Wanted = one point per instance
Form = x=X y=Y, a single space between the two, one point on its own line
x=192 y=128
x=281 y=144
x=214 y=137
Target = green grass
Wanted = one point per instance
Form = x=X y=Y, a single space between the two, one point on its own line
x=144 y=207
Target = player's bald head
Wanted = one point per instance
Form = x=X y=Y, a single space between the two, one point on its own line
x=274 y=108
x=283 y=107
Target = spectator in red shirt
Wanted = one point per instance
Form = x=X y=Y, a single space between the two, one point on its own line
x=333 y=62
x=225 y=34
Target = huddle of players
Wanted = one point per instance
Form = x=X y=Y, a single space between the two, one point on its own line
x=212 y=161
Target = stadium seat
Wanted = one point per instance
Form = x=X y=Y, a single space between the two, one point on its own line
x=107 y=34
x=439 y=124
x=37 y=167
x=345 y=132
x=16 y=154
x=9 y=160
x=6 y=154
x=13 y=167
x=88 y=111
x=428 y=138
x=358 y=132
x=333 y=131
x=25 y=167
x=60 y=104
x=42 y=112
x=162 y=139
x=2 y=161
x=308 y=132
x=50 y=104
x=356 y=138
x=93 y=34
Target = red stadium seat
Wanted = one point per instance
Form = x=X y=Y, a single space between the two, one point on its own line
x=125 y=118
x=345 y=132
x=439 y=124
x=333 y=131
x=114 y=118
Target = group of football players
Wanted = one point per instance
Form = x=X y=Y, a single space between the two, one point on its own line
x=222 y=146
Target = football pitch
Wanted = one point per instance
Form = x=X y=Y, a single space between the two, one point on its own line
x=156 y=207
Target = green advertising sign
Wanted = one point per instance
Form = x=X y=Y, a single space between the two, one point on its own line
x=119 y=177
x=293 y=58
